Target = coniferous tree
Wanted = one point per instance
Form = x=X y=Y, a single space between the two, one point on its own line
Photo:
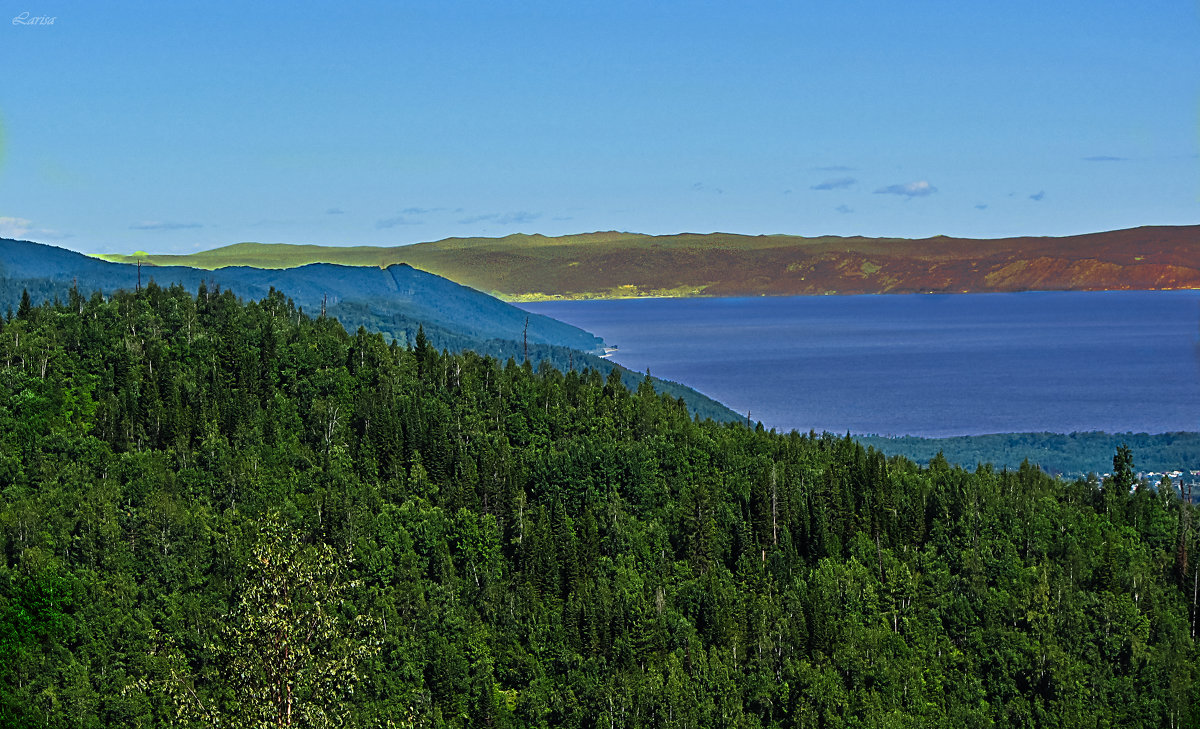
x=186 y=481
x=25 y=309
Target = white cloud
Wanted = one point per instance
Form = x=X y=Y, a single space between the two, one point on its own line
x=12 y=227
x=920 y=188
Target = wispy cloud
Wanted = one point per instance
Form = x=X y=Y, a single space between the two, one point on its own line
x=1037 y=196
x=335 y=211
x=516 y=218
x=920 y=188
x=838 y=183
x=701 y=187
x=844 y=209
x=12 y=227
x=398 y=220
x=519 y=217
x=15 y=227
x=1104 y=158
x=161 y=225
x=406 y=217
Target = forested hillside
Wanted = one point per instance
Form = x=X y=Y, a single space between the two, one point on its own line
x=397 y=296
x=217 y=513
x=397 y=302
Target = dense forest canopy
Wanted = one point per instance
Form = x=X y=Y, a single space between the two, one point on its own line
x=396 y=302
x=217 y=512
x=395 y=295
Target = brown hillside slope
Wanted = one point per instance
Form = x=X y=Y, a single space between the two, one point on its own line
x=626 y=264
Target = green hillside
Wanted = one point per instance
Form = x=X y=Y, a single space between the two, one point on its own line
x=226 y=514
x=397 y=290
x=397 y=301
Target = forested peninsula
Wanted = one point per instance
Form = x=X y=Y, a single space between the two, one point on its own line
x=219 y=512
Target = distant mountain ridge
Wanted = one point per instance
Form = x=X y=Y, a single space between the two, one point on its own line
x=614 y=264
x=395 y=301
x=398 y=289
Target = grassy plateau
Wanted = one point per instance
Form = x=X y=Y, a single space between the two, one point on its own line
x=623 y=265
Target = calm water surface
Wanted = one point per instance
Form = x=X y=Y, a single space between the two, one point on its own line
x=933 y=365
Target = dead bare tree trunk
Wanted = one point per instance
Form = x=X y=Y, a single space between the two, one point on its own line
x=1185 y=519
x=1195 y=594
x=774 y=508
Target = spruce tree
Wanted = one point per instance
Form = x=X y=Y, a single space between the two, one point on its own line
x=26 y=307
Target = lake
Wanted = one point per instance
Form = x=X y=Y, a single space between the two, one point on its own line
x=928 y=365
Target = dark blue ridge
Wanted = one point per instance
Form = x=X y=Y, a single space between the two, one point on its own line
x=399 y=290
x=394 y=301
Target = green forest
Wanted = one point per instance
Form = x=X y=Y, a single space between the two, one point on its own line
x=395 y=302
x=228 y=513
x=1068 y=454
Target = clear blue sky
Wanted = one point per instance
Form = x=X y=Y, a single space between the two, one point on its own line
x=175 y=126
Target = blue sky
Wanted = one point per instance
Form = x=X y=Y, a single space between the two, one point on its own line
x=172 y=127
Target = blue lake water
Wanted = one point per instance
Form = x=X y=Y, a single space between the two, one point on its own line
x=931 y=365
